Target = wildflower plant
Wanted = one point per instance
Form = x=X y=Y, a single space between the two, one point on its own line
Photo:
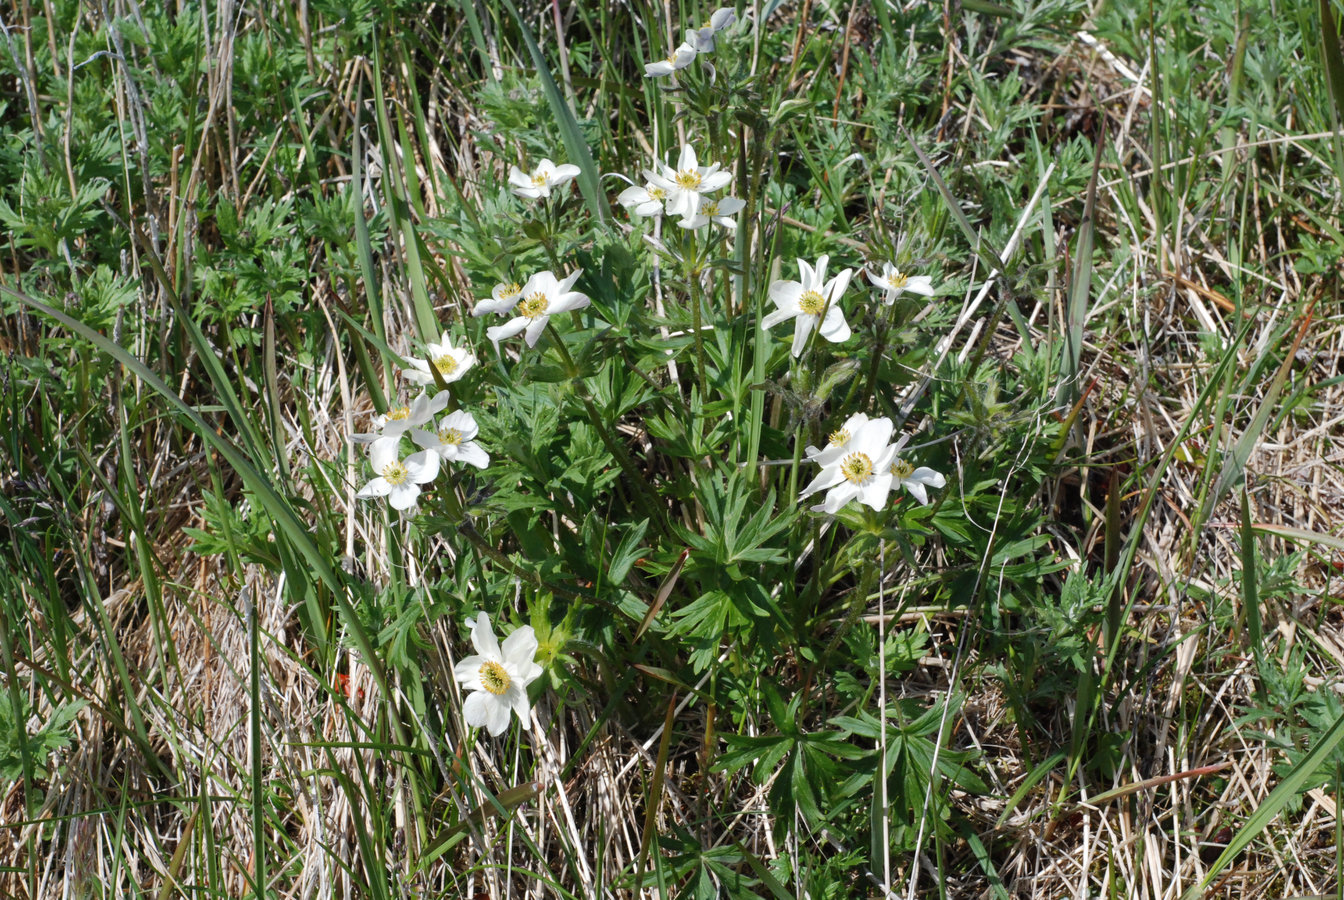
x=686 y=448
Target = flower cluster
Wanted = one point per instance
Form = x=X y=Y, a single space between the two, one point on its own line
x=399 y=478
x=859 y=461
x=698 y=40
x=535 y=302
x=684 y=191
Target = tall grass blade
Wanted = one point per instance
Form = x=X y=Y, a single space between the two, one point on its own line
x=575 y=144
x=1271 y=806
x=1080 y=282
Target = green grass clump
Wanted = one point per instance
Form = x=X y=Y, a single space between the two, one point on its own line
x=1083 y=643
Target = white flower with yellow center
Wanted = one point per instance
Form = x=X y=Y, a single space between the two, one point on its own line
x=398 y=479
x=497 y=677
x=543 y=178
x=895 y=282
x=400 y=419
x=503 y=297
x=915 y=480
x=811 y=302
x=678 y=59
x=720 y=212
x=687 y=183
x=702 y=39
x=455 y=440
x=861 y=468
x=643 y=201
x=837 y=441
x=451 y=362
x=542 y=297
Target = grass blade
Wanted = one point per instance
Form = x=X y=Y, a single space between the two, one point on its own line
x=579 y=154
x=1271 y=806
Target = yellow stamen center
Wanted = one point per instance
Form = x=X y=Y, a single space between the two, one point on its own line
x=657 y=193
x=398 y=412
x=493 y=678
x=811 y=303
x=710 y=210
x=902 y=470
x=856 y=468
x=535 y=305
x=445 y=364
x=450 y=436
x=839 y=436
x=395 y=474
x=510 y=290
x=671 y=58
x=688 y=180
x=898 y=280
x=539 y=179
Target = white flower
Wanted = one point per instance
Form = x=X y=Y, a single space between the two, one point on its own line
x=455 y=440
x=838 y=441
x=451 y=362
x=498 y=679
x=862 y=469
x=545 y=176
x=808 y=300
x=720 y=212
x=400 y=419
x=542 y=297
x=679 y=58
x=915 y=480
x=702 y=39
x=643 y=201
x=398 y=479
x=687 y=182
x=895 y=282
x=502 y=298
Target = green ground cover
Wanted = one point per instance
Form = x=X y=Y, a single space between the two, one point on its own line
x=892 y=443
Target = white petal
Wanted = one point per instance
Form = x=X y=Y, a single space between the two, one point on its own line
x=471 y=453
x=378 y=487
x=403 y=496
x=498 y=333
x=875 y=492
x=925 y=475
x=686 y=161
x=834 y=328
x=715 y=181
x=829 y=477
x=802 y=327
x=534 y=330
x=786 y=294
x=518 y=178
x=839 y=496
x=497 y=711
x=774 y=318
x=468 y=673
x=483 y=638
x=520 y=704
x=917 y=491
x=565 y=173
x=383 y=452
x=920 y=284
x=476 y=709
x=422 y=467
x=521 y=646
x=871 y=439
